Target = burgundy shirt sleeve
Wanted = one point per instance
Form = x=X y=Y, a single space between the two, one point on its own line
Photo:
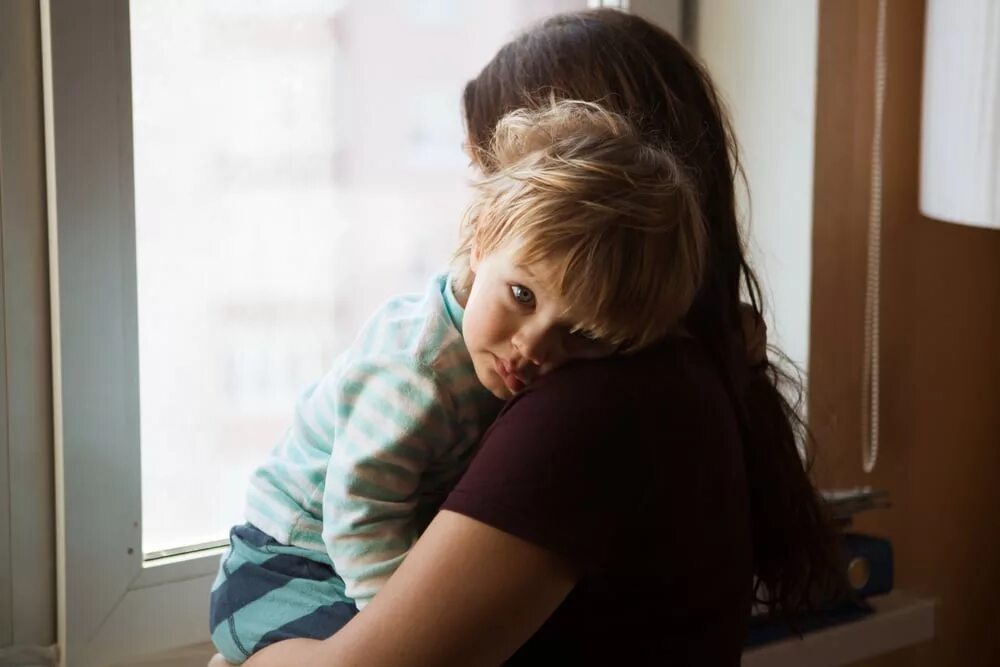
x=551 y=469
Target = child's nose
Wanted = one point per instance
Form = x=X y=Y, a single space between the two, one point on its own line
x=537 y=346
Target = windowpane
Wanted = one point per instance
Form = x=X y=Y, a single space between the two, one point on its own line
x=296 y=163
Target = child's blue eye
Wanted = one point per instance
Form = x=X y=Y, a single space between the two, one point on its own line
x=522 y=294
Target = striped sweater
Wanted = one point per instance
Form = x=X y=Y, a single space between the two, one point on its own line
x=377 y=443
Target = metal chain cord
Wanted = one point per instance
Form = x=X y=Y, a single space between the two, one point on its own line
x=871 y=369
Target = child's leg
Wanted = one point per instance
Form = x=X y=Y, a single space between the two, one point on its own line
x=267 y=592
x=288 y=652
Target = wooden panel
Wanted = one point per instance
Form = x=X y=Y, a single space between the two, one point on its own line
x=940 y=340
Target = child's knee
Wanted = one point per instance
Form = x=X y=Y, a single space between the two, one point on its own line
x=230 y=651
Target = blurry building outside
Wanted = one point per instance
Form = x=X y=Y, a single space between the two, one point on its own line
x=296 y=163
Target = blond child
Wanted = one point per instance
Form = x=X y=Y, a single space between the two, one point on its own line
x=583 y=242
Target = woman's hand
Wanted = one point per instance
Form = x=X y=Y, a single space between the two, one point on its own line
x=467 y=594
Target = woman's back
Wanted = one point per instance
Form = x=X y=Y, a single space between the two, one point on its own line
x=632 y=468
x=651 y=78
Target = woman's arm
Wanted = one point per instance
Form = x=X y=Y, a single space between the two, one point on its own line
x=467 y=594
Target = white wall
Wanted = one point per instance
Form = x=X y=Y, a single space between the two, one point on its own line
x=762 y=57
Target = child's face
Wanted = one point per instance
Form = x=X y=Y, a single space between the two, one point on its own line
x=513 y=324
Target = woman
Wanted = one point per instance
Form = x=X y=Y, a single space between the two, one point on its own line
x=618 y=509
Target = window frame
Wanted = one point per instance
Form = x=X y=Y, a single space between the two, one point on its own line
x=112 y=605
x=27 y=549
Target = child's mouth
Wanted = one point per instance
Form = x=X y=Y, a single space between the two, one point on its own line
x=513 y=383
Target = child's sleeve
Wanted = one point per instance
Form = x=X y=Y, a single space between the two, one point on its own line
x=392 y=419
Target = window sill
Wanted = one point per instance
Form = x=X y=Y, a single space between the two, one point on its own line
x=900 y=620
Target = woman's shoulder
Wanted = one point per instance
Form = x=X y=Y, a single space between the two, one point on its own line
x=673 y=388
x=676 y=364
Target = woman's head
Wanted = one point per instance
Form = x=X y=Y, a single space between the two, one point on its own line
x=640 y=72
x=635 y=69
x=598 y=233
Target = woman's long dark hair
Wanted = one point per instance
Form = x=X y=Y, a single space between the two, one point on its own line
x=632 y=67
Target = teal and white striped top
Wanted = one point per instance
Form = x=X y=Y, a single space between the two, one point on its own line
x=378 y=443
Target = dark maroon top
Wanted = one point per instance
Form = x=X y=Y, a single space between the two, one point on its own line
x=632 y=468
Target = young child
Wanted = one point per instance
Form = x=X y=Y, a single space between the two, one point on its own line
x=582 y=242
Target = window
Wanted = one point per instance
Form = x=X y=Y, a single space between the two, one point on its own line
x=291 y=173
x=234 y=187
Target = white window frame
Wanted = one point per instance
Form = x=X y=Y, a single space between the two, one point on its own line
x=27 y=542
x=112 y=606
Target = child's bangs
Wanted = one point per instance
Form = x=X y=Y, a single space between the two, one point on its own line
x=616 y=220
x=619 y=289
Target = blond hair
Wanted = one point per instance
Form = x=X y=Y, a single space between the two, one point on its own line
x=617 y=218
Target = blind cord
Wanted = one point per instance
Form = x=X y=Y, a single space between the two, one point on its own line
x=871 y=368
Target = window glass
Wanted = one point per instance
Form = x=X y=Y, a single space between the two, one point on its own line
x=296 y=163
